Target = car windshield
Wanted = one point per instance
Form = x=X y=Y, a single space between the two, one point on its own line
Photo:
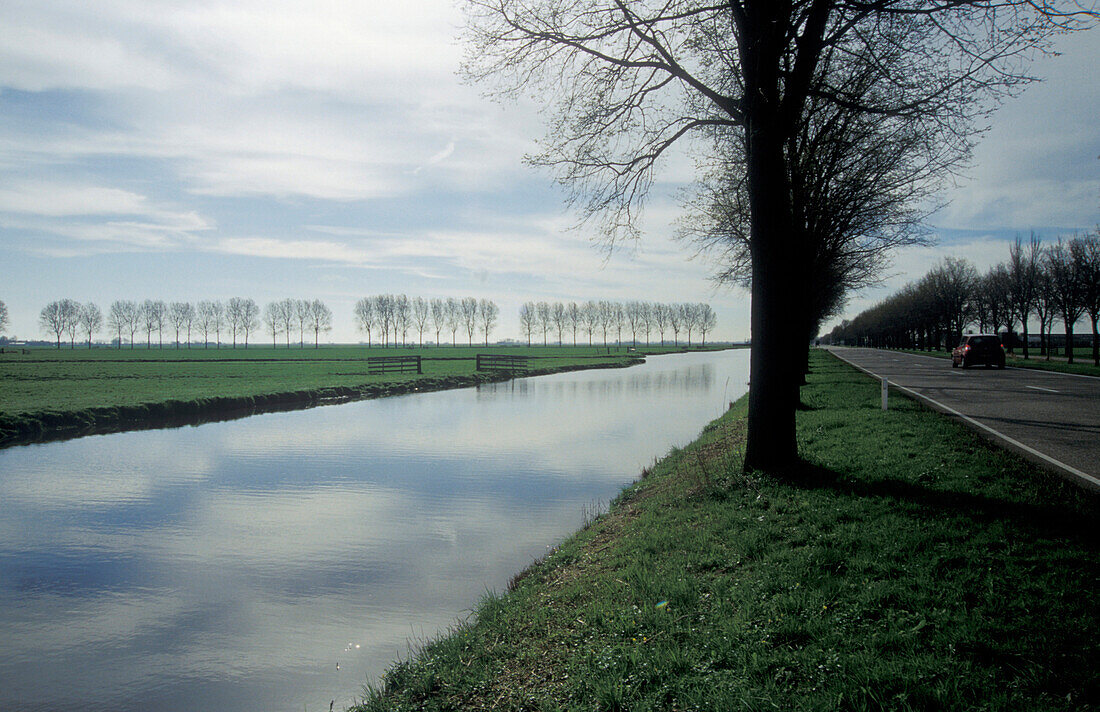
x=980 y=340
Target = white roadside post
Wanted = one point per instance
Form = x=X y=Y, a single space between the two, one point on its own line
x=885 y=393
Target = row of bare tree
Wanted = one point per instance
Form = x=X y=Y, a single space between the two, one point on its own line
x=239 y=317
x=392 y=316
x=615 y=317
x=1048 y=283
x=821 y=129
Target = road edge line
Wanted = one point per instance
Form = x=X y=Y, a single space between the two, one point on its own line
x=1012 y=442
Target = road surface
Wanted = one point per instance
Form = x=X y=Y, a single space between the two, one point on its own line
x=1053 y=418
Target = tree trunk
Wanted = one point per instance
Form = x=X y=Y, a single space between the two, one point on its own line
x=773 y=365
x=1069 y=339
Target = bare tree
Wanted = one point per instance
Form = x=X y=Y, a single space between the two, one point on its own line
x=661 y=318
x=402 y=318
x=72 y=319
x=675 y=321
x=273 y=320
x=91 y=320
x=468 y=307
x=320 y=319
x=558 y=319
x=208 y=315
x=687 y=318
x=365 y=317
x=250 y=318
x=421 y=311
x=123 y=318
x=646 y=312
x=439 y=317
x=383 y=305
x=487 y=312
x=544 y=317
x=54 y=319
x=996 y=287
x=590 y=314
x=179 y=316
x=154 y=313
x=301 y=316
x=3 y=317
x=952 y=282
x=1023 y=275
x=454 y=318
x=618 y=320
x=634 y=320
x=1066 y=289
x=527 y=319
x=1086 y=255
x=573 y=316
x=707 y=321
x=233 y=308
x=606 y=313
x=627 y=81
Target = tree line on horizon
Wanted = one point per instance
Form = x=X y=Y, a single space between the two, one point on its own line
x=604 y=316
x=1059 y=281
x=239 y=316
x=391 y=316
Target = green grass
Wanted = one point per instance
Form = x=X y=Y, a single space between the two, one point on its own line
x=907 y=564
x=1082 y=364
x=48 y=390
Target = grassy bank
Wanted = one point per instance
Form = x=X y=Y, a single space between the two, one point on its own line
x=907 y=565
x=50 y=392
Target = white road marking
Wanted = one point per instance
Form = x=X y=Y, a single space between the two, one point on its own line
x=1039 y=388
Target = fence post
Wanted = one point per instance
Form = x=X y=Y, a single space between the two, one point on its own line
x=885 y=394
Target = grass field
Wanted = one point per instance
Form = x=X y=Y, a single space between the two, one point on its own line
x=49 y=390
x=907 y=565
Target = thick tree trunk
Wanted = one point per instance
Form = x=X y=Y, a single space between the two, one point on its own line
x=776 y=275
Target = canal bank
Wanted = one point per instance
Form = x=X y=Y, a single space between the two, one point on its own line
x=117 y=404
x=907 y=564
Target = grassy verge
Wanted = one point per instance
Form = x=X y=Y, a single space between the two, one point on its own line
x=907 y=565
x=1081 y=367
x=57 y=393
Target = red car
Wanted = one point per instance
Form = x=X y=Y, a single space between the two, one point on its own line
x=978 y=348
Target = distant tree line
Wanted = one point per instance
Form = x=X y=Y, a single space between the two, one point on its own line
x=1047 y=283
x=617 y=318
x=391 y=318
x=238 y=317
x=287 y=315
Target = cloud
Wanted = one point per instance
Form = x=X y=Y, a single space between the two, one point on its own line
x=58 y=199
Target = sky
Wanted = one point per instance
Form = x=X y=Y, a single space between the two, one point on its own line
x=160 y=149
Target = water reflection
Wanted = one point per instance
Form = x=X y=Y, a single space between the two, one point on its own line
x=280 y=561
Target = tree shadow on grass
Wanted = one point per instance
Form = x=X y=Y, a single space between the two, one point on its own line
x=1076 y=516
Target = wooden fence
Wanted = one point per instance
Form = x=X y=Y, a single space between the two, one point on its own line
x=496 y=362
x=394 y=364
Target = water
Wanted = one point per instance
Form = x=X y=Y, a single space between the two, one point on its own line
x=282 y=561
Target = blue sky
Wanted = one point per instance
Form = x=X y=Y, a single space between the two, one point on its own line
x=205 y=150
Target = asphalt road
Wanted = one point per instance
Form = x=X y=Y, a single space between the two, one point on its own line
x=1052 y=418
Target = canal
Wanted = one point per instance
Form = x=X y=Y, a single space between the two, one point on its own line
x=281 y=561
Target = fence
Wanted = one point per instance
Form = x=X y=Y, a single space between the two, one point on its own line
x=495 y=362
x=394 y=364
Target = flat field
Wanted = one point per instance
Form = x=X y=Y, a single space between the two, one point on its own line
x=49 y=388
